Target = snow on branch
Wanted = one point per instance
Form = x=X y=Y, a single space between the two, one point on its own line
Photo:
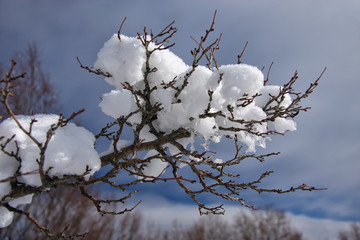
x=170 y=107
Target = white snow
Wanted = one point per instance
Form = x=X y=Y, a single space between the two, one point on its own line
x=21 y=200
x=267 y=92
x=167 y=65
x=282 y=125
x=119 y=145
x=70 y=151
x=207 y=128
x=155 y=167
x=174 y=118
x=237 y=80
x=125 y=60
x=194 y=98
x=118 y=103
x=6 y=217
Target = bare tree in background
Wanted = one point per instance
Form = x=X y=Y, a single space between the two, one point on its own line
x=66 y=212
x=210 y=228
x=252 y=225
x=352 y=234
x=265 y=225
x=33 y=93
x=63 y=210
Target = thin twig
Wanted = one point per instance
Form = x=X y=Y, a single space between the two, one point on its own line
x=242 y=53
x=119 y=32
x=96 y=71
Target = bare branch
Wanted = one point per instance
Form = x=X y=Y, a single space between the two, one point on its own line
x=96 y=71
x=119 y=32
x=268 y=74
x=198 y=173
x=242 y=53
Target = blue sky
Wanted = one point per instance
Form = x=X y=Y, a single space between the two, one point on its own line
x=296 y=35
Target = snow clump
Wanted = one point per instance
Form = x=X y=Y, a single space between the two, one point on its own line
x=70 y=151
x=195 y=107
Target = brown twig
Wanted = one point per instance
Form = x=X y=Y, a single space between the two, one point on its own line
x=119 y=31
x=96 y=71
x=268 y=74
x=242 y=53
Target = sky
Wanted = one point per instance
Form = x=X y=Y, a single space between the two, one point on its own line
x=306 y=36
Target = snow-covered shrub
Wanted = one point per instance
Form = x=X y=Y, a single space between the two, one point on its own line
x=170 y=107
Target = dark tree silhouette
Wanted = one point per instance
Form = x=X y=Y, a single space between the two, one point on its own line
x=34 y=92
x=352 y=234
x=265 y=225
